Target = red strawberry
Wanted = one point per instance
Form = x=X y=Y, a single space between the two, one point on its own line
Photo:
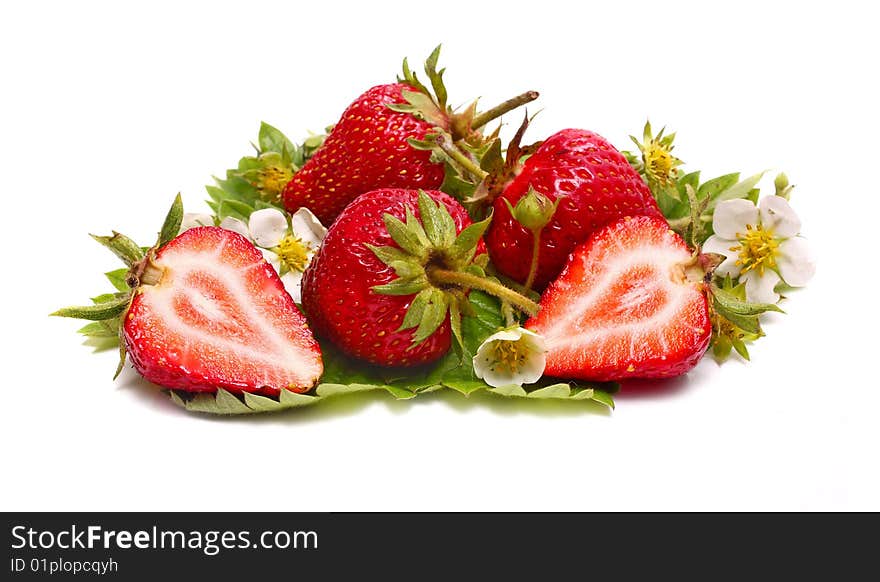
x=630 y=303
x=370 y=147
x=211 y=312
x=390 y=280
x=367 y=149
x=202 y=311
x=594 y=185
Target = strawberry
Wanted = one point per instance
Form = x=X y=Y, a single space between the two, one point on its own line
x=367 y=149
x=390 y=280
x=206 y=311
x=587 y=182
x=630 y=303
x=374 y=143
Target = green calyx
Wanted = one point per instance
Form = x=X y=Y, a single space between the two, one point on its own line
x=108 y=310
x=501 y=167
x=458 y=140
x=735 y=321
x=432 y=104
x=438 y=266
x=534 y=210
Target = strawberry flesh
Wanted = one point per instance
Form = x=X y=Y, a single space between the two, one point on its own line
x=219 y=316
x=366 y=150
x=624 y=307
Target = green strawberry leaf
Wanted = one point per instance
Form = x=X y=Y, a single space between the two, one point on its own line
x=118 y=278
x=122 y=246
x=272 y=140
x=171 y=226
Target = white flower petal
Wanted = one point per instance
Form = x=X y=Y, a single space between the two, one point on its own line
x=235 y=225
x=721 y=246
x=307 y=227
x=778 y=217
x=533 y=369
x=532 y=341
x=267 y=226
x=494 y=378
x=759 y=289
x=528 y=343
x=271 y=258
x=510 y=334
x=194 y=219
x=795 y=262
x=293 y=283
x=732 y=216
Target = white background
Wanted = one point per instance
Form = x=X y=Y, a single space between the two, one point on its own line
x=108 y=110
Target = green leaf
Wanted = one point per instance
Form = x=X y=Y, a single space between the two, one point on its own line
x=712 y=188
x=738 y=190
x=437 y=222
x=433 y=315
x=404 y=236
x=466 y=242
x=118 y=279
x=748 y=323
x=402 y=286
x=436 y=77
x=107 y=310
x=121 y=246
x=388 y=254
x=729 y=303
x=103 y=329
x=272 y=140
x=171 y=225
x=414 y=314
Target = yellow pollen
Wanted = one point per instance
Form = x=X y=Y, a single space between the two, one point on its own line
x=659 y=163
x=272 y=180
x=507 y=355
x=293 y=252
x=757 y=249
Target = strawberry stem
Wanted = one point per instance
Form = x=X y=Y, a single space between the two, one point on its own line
x=533 y=268
x=447 y=277
x=460 y=158
x=506 y=107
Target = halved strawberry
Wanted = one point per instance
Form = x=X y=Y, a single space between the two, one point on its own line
x=630 y=303
x=211 y=312
x=203 y=310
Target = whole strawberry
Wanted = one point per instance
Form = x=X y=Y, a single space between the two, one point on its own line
x=372 y=145
x=205 y=311
x=389 y=282
x=585 y=181
x=632 y=302
x=367 y=149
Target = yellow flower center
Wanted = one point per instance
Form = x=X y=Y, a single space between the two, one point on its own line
x=272 y=180
x=757 y=249
x=659 y=163
x=507 y=354
x=293 y=252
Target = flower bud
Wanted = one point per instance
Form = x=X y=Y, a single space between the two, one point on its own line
x=783 y=189
x=534 y=210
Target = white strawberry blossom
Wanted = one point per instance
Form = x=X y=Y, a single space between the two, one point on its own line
x=761 y=246
x=511 y=356
x=288 y=247
x=194 y=219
